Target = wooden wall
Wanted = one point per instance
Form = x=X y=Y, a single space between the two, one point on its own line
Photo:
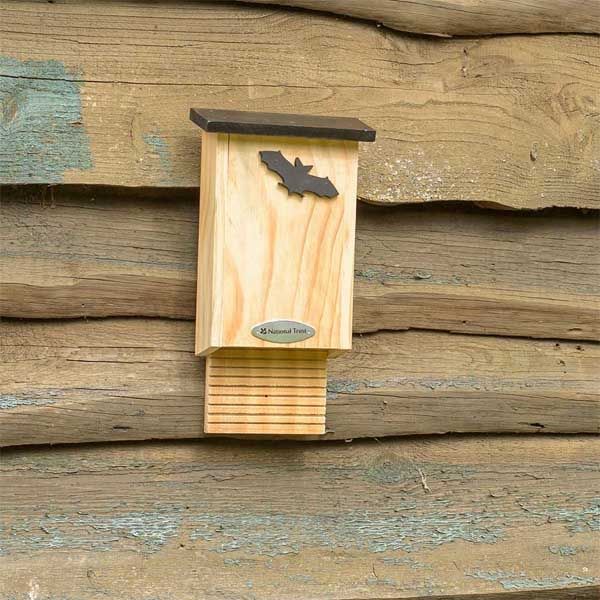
x=472 y=322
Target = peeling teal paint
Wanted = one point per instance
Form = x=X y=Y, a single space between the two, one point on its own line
x=386 y=581
x=405 y=561
x=278 y=535
x=160 y=150
x=41 y=130
x=302 y=578
x=383 y=276
x=9 y=401
x=390 y=469
x=578 y=521
x=563 y=550
x=412 y=527
x=152 y=529
x=520 y=581
x=338 y=386
x=335 y=387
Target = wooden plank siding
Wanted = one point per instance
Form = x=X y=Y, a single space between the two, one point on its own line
x=469 y=322
x=509 y=121
x=134 y=379
x=69 y=253
x=452 y=517
x=465 y=17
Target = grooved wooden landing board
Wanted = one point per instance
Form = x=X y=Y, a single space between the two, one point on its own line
x=374 y=520
x=120 y=379
x=73 y=253
x=265 y=392
x=510 y=120
x=465 y=17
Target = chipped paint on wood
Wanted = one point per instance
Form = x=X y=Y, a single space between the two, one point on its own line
x=256 y=534
x=150 y=530
x=160 y=156
x=41 y=128
x=274 y=535
x=466 y=383
x=564 y=550
x=43 y=398
x=385 y=277
x=514 y=581
x=343 y=520
x=578 y=520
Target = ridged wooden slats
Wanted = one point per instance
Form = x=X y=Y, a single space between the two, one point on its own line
x=265 y=391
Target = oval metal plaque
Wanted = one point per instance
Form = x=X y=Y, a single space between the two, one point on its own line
x=283 y=331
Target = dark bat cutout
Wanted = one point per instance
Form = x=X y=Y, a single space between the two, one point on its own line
x=295 y=177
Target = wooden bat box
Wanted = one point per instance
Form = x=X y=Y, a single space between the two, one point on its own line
x=275 y=265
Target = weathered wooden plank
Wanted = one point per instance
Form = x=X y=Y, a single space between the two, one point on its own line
x=76 y=253
x=127 y=379
x=394 y=519
x=507 y=120
x=465 y=17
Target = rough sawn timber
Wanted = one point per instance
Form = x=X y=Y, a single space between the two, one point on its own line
x=97 y=253
x=465 y=17
x=371 y=520
x=507 y=120
x=127 y=379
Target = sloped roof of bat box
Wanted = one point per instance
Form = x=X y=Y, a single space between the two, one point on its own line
x=262 y=123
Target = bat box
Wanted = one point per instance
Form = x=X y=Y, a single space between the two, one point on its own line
x=275 y=265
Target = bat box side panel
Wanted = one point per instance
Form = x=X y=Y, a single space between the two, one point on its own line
x=213 y=193
x=288 y=257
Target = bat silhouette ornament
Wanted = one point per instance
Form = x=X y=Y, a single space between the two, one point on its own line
x=295 y=177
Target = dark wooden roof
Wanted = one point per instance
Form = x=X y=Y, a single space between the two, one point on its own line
x=260 y=123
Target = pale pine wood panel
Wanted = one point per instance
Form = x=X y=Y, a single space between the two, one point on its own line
x=265 y=429
x=509 y=120
x=289 y=424
x=465 y=17
x=275 y=401
x=123 y=379
x=280 y=401
x=284 y=390
x=279 y=256
x=106 y=253
x=257 y=372
x=256 y=365
x=291 y=379
x=272 y=409
x=454 y=517
x=209 y=314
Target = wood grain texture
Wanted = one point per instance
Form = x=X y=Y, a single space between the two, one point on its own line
x=266 y=255
x=263 y=391
x=210 y=274
x=448 y=517
x=95 y=253
x=465 y=17
x=126 y=379
x=508 y=120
